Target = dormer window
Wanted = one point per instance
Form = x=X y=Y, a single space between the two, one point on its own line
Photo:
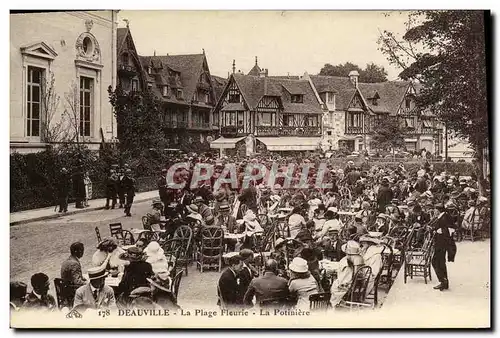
x=150 y=86
x=234 y=97
x=179 y=94
x=375 y=101
x=297 y=98
x=165 y=91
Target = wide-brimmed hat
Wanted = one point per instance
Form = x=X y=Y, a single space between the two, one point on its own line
x=97 y=272
x=161 y=281
x=333 y=209
x=298 y=265
x=106 y=242
x=304 y=236
x=351 y=248
x=382 y=215
x=482 y=199
x=192 y=208
x=133 y=254
x=142 y=291
x=153 y=249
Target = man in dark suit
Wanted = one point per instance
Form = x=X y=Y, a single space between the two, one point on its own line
x=39 y=299
x=247 y=273
x=443 y=242
x=162 y=189
x=111 y=183
x=384 y=195
x=228 y=287
x=249 y=197
x=269 y=286
x=129 y=189
x=64 y=186
x=71 y=271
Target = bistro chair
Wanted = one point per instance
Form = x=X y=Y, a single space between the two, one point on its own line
x=320 y=301
x=127 y=238
x=98 y=234
x=386 y=271
x=418 y=262
x=64 y=293
x=263 y=220
x=345 y=204
x=148 y=237
x=356 y=295
x=209 y=253
x=474 y=232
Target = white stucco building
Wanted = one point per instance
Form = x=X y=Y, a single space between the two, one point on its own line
x=79 y=49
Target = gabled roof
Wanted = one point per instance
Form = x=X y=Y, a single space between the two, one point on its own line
x=218 y=83
x=189 y=67
x=255 y=71
x=254 y=88
x=39 y=49
x=391 y=95
x=310 y=104
x=342 y=85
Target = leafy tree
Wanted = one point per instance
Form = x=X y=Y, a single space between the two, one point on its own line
x=139 y=120
x=388 y=134
x=445 y=52
x=372 y=72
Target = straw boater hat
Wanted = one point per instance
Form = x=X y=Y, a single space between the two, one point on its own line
x=97 y=272
x=351 y=248
x=198 y=199
x=224 y=206
x=298 y=265
x=383 y=216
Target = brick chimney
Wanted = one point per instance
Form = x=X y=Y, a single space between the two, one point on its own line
x=353 y=76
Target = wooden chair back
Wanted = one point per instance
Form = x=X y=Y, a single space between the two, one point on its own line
x=62 y=294
x=127 y=238
x=98 y=234
x=115 y=229
x=320 y=301
x=345 y=204
x=357 y=292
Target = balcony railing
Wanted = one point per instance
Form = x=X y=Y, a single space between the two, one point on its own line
x=354 y=130
x=127 y=70
x=176 y=124
x=287 y=131
x=232 y=131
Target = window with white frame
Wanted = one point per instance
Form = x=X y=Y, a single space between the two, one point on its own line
x=34 y=101
x=266 y=119
x=165 y=90
x=179 y=94
x=135 y=85
x=86 y=105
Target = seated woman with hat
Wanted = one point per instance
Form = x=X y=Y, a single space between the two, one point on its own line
x=156 y=257
x=347 y=268
x=109 y=250
x=371 y=250
x=154 y=216
x=135 y=274
x=302 y=283
x=333 y=223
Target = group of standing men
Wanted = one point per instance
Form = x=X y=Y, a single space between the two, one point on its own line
x=121 y=185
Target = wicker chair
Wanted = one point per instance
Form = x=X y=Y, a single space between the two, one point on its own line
x=209 y=252
x=115 y=229
x=176 y=283
x=185 y=234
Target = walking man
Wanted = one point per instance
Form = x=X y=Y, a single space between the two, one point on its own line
x=442 y=244
x=111 y=184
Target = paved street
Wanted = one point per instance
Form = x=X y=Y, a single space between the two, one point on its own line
x=43 y=246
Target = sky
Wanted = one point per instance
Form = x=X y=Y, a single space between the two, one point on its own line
x=290 y=42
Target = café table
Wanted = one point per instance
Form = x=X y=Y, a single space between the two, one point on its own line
x=110 y=280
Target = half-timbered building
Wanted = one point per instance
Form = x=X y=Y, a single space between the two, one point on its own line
x=274 y=114
x=352 y=109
